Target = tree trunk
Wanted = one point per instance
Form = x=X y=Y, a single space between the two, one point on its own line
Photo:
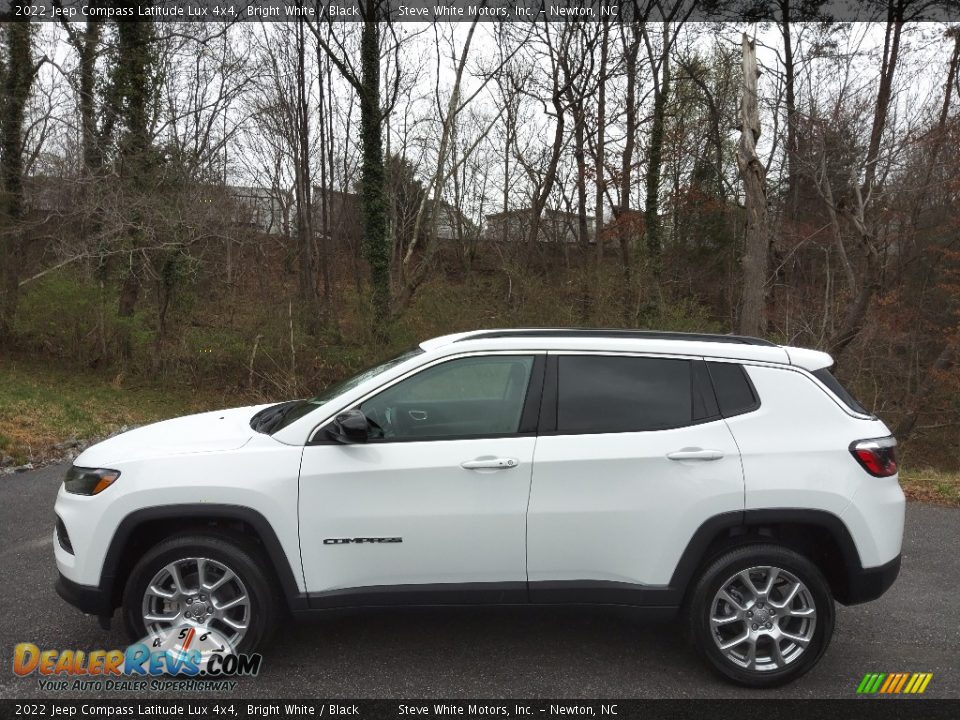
x=546 y=187
x=789 y=73
x=307 y=249
x=92 y=156
x=325 y=180
x=18 y=74
x=373 y=176
x=655 y=160
x=600 y=167
x=624 y=226
x=757 y=235
x=580 y=140
x=132 y=93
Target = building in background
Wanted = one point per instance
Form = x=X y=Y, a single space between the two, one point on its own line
x=556 y=226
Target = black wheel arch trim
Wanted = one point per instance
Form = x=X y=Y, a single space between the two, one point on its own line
x=858 y=584
x=203 y=511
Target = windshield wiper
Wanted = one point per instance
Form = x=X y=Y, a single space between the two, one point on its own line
x=268 y=418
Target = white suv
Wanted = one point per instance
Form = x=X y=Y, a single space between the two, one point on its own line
x=729 y=477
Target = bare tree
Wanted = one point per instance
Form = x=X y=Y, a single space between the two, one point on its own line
x=366 y=82
x=757 y=235
x=865 y=196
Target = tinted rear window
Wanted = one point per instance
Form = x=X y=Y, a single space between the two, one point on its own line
x=826 y=377
x=735 y=394
x=599 y=394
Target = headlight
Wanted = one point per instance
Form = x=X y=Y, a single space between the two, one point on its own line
x=89 y=481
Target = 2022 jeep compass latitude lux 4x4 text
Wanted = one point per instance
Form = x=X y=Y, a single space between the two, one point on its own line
x=725 y=478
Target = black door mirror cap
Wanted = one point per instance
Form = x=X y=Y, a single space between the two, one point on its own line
x=350 y=427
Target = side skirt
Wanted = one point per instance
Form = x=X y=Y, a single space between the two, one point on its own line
x=660 y=601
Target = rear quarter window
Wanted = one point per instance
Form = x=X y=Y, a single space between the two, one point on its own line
x=826 y=377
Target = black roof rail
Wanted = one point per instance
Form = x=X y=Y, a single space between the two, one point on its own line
x=617 y=333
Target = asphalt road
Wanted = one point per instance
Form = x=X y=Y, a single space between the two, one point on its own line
x=503 y=653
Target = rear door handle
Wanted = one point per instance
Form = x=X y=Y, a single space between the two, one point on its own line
x=490 y=464
x=695 y=454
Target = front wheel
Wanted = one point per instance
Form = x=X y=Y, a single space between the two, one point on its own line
x=207 y=582
x=762 y=615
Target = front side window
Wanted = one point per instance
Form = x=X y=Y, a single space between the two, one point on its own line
x=463 y=398
x=276 y=417
x=604 y=394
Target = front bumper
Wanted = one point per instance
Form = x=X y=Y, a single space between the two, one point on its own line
x=87 y=598
x=866 y=584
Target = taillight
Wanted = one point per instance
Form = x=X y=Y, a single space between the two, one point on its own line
x=877 y=456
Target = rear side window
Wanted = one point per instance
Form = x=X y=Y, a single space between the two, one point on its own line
x=601 y=394
x=826 y=377
x=735 y=393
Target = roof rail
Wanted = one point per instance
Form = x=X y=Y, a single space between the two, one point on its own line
x=616 y=333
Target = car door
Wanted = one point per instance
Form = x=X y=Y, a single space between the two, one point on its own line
x=632 y=457
x=432 y=508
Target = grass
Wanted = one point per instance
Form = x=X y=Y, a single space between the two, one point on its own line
x=42 y=404
x=930 y=485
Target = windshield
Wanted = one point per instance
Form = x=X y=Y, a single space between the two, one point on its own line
x=276 y=417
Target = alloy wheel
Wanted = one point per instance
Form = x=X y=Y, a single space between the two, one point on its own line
x=763 y=618
x=198 y=592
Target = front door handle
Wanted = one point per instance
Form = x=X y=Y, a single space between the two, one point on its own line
x=489 y=464
x=695 y=454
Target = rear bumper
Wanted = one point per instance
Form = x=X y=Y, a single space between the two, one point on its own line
x=866 y=584
x=87 y=598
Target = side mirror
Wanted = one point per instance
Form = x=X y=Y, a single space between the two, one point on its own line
x=349 y=427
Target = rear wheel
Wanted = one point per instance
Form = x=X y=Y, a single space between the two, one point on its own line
x=216 y=583
x=762 y=615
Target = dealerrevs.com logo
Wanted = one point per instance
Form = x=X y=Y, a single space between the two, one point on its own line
x=186 y=658
x=894 y=683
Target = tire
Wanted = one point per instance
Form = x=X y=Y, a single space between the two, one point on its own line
x=218 y=553
x=807 y=617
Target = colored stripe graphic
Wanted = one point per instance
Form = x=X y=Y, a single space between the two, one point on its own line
x=894 y=683
x=903 y=681
x=891 y=679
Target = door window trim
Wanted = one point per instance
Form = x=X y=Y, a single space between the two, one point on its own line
x=551 y=391
x=529 y=415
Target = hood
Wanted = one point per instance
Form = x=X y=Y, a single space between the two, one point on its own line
x=216 y=431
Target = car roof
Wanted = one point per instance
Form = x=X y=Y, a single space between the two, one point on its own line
x=734 y=347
